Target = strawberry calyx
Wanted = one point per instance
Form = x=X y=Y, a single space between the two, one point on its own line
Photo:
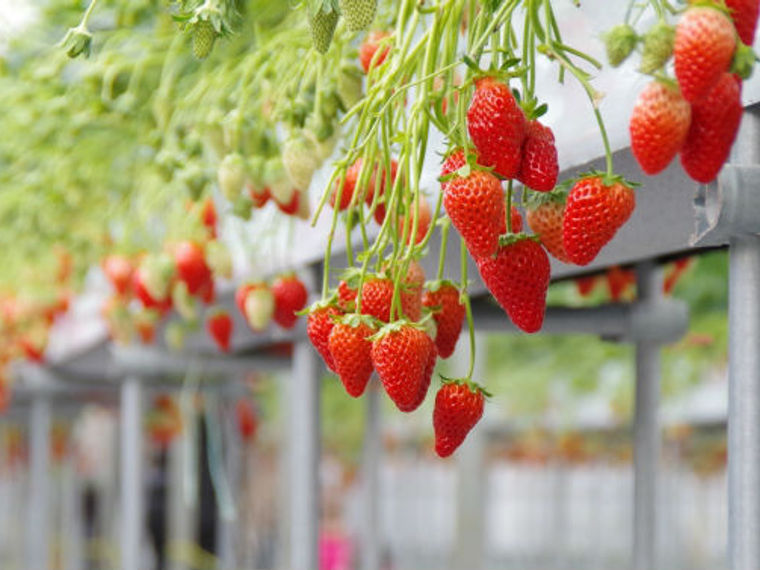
x=532 y=109
x=396 y=326
x=506 y=240
x=744 y=59
x=436 y=284
x=558 y=195
x=719 y=6
x=354 y=320
x=471 y=385
x=608 y=179
x=317 y=305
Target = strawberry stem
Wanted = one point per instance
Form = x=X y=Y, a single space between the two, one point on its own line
x=467 y=308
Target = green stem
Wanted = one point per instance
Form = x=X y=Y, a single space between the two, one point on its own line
x=468 y=308
x=444 y=244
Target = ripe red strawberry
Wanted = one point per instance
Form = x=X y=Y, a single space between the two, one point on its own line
x=453 y=162
x=377 y=296
x=119 y=271
x=675 y=273
x=400 y=355
x=349 y=187
x=618 y=280
x=350 y=351
x=291 y=207
x=545 y=219
x=744 y=14
x=346 y=296
x=475 y=205
x=290 y=295
x=424 y=216
x=427 y=375
x=704 y=46
x=411 y=292
x=497 y=126
x=714 y=124
x=448 y=313
x=593 y=215
x=145 y=324
x=219 y=326
x=208 y=216
x=241 y=293
x=539 y=167
x=259 y=196
x=458 y=407
x=659 y=125
x=368 y=49
x=144 y=292
x=190 y=260
x=518 y=277
x=380 y=208
x=246 y=419
x=319 y=324
x=585 y=285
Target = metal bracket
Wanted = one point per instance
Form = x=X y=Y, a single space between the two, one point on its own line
x=728 y=207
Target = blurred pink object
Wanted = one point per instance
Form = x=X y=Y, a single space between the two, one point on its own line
x=335 y=552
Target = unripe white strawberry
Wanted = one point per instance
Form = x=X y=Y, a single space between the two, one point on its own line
x=300 y=159
x=259 y=308
x=231 y=176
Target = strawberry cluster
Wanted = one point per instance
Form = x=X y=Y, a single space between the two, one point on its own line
x=698 y=114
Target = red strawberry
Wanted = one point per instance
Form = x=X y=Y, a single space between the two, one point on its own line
x=319 y=324
x=744 y=14
x=517 y=221
x=346 y=296
x=475 y=205
x=208 y=216
x=593 y=215
x=411 y=292
x=368 y=49
x=144 y=294
x=585 y=285
x=207 y=293
x=659 y=125
x=458 y=407
x=241 y=293
x=219 y=326
x=246 y=419
x=291 y=207
x=190 y=261
x=674 y=275
x=424 y=216
x=145 y=324
x=377 y=295
x=350 y=351
x=290 y=295
x=539 y=167
x=448 y=313
x=453 y=162
x=518 y=277
x=704 y=46
x=400 y=355
x=497 y=126
x=349 y=187
x=119 y=270
x=428 y=374
x=379 y=213
x=618 y=280
x=259 y=196
x=545 y=220
x=714 y=124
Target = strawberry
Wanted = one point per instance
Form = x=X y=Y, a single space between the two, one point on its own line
x=585 y=285
x=241 y=293
x=290 y=295
x=299 y=157
x=518 y=278
x=152 y=282
x=145 y=324
x=291 y=207
x=119 y=271
x=448 y=313
x=208 y=217
x=246 y=419
x=458 y=407
x=346 y=296
x=424 y=216
x=427 y=375
x=618 y=281
x=411 y=291
x=674 y=275
x=219 y=326
x=377 y=295
x=744 y=14
x=349 y=187
x=207 y=293
x=400 y=354
x=497 y=126
x=379 y=213
x=539 y=167
x=593 y=214
x=190 y=260
x=204 y=36
x=659 y=125
x=657 y=47
x=368 y=50
x=714 y=124
x=619 y=42
x=704 y=46
x=475 y=205
x=319 y=324
x=258 y=307
x=517 y=221
x=259 y=196
x=231 y=176
x=323 y=21
x=545 y=219
x=351 y=352
x=358 y=14
x=453 y=162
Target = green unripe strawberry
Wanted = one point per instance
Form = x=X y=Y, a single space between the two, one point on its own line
x=231 y=175
x=349 y=87
x=204 y=36
x=619 y=43
x=358 y=13
x=299 y=157
x=657 y=48
x=322 y=22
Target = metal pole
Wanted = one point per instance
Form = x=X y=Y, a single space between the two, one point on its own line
x=38 y=527
x=371 y=546
x=304 y=458
x=646 y=430
x=744 y=404
x=131 y=474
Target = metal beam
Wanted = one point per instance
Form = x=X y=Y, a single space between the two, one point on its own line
x=646 y=429
x=38 y=517
x=132 y=511
x=304 y=447
x=373 y=447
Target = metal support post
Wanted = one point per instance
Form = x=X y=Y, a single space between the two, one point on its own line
x=744 y=404
x=38 y=519
x=131 y=474
x=371 y=534
x=304 y=446
x=646 y=429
